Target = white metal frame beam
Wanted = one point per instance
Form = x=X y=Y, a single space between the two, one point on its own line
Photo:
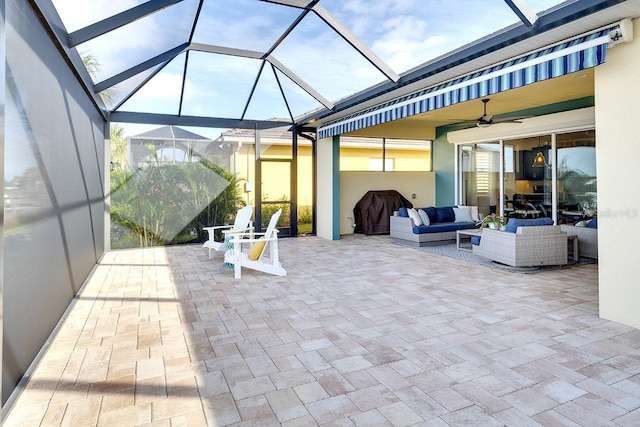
x=116 y=21
x=524 y=12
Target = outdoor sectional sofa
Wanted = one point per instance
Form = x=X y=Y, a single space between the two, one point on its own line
x=587 y=237
x=442 y=223
x=524 y=243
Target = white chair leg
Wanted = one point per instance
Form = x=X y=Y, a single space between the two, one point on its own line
x=237 y=270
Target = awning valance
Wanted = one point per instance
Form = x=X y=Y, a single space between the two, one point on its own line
x=558 y=60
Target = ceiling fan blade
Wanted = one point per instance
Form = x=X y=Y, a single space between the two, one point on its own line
x=507 y=121
x=510 y=119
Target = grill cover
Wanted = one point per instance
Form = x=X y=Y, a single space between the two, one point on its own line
x=371 y=213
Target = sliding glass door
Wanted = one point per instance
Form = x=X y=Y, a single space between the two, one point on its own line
x=532 y=183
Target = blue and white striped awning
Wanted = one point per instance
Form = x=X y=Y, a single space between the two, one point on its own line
x=554 y=61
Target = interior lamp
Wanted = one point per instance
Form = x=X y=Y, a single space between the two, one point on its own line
x=539 y=161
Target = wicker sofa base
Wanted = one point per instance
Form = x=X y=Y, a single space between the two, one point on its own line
x=587 y=239
x=402 y=228
x=527 y=247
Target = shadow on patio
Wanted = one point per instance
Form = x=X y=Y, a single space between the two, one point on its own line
x=360 y=332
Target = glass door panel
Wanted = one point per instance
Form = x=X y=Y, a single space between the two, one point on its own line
x=576 y=176
x=276 y=192
x=480 y=173
x=528 y=188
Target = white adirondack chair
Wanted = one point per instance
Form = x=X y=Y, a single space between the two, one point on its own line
x=255 y=257
x=242 y=224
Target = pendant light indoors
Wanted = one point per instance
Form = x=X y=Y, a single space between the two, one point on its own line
x=539 y=161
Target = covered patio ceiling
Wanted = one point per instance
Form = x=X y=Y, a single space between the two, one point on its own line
x=267 y=63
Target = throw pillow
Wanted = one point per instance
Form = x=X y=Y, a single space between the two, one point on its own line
x=474 y=212
x=445 y=214
x=433 y=214
x=581 y=224
x=462 y=214
x=424 y=217
x=256 y=249
x=413 y=214
x=593 y=223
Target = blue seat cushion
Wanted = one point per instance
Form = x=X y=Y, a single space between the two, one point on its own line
x=445 y=214
x=475 y=240
x=403 y=212
x=441 y=227
x=593 y=223
x=514 y=223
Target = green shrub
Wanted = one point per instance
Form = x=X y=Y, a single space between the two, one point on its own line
x=168 y=204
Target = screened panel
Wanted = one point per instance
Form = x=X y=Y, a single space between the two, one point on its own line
x=218 y=85
x=128 y=46
x=161 y=94
x=267 y=96
x=243 y=24
x=313 y=48
x=79 y=14
x=407 y=34
x=401 y=34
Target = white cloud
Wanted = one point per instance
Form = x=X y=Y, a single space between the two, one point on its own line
x=163 y=86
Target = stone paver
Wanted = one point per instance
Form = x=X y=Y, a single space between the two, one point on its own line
x=360 y=332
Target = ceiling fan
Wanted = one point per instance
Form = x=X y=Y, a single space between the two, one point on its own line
x=487 y=120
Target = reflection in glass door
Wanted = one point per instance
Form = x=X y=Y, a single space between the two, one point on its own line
x=480 y=173
x=576 y=177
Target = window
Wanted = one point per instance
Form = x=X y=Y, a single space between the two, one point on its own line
x=376 y=165
x=367 y=154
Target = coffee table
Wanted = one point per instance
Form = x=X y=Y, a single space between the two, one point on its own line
x=470 y=232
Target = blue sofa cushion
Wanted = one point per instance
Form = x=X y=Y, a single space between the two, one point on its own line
x=475 y=240
x=441 y=227
x=514 y=223
x=593 y=223
x=403 y=212
x=445 y=214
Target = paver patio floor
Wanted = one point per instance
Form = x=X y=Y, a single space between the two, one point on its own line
x=360 y=332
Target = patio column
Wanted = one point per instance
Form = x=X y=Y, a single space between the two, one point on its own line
x=617 y=151
x=328 y=188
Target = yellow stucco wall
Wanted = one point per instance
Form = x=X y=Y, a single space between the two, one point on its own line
x=617 y=90
x=410 y=129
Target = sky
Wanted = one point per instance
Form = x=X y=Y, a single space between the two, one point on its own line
x=402 y=33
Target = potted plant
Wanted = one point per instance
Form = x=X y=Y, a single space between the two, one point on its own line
x=493 y=221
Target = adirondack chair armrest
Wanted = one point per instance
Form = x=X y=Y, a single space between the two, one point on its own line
x=240 y=238
x=239 y=231
x=217 y=227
